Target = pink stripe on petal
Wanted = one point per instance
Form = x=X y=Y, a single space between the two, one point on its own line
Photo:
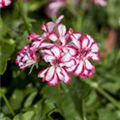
x=63 y=40
x=91 y=40
x=79 y=68
x=94 y=56
x=59 y=73
x=72 y=50
x=54 y=81
x=67 y=77
x=42 y=73
x=56 y=51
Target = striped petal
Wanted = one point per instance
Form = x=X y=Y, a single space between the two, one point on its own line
x=67 y=77
x=94 y=47
x=56 y=51
x=79 y=68
x=61 y=29
x=53 y=37
x=50 y=73
x=54 y=81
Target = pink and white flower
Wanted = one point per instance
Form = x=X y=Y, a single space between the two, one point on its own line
x=100 y=2
x=56 y=73
x=4 y=3
x=87 y=49
x=64 y=52
x=49 y=26
x=26 y=57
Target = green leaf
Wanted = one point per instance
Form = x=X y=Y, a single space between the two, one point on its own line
x=6 y=49
x=4 y=118
x=78 y=91
x=26 y=116
x=30 y=99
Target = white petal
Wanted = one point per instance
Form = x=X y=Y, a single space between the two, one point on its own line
x=94 y=56
x=50 y=26
x=56 y=51
x=67 y=77
x=50 y=73
x=61 y=29
x=70 y=63
x=54 y=81
x=94 y=47
x=59 y=73
x=47 y=45
x=66 y=57
x=53 y=37
x=42 y=73
x=77 y=35
x=72 y=50
x=85 y=42
x=63 y=40
x=79 y=68
x=91 y=40
x=59 y=19
x=71 y=69
x=88 y=65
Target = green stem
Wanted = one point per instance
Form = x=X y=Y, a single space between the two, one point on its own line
x=83 y=116
x=1 y=26
x=59 y=95
x=7 y=103
x=104 y=93
x=26 y=23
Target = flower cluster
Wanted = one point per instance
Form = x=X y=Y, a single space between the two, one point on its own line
x=64 y=51
x=4 y=3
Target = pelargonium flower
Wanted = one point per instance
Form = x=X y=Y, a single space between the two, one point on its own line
x=53 y=7
x=26 y=57
x=56 y=73
x=87 y=49
x=64 y=52
x=100 y=2
x=4 y=3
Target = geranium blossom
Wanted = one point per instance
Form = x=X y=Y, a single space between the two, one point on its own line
x=53 y=7
x=4 y=3
x=56 y=73
x=64 y=52
x=26 y=57
x=100 y=2
x=87 y=49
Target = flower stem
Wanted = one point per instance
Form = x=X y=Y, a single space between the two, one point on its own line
x=7 y=103
x=1 y=26
x=26 y=23
x=104 y=93
x=59 y=95
x=83 y=116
